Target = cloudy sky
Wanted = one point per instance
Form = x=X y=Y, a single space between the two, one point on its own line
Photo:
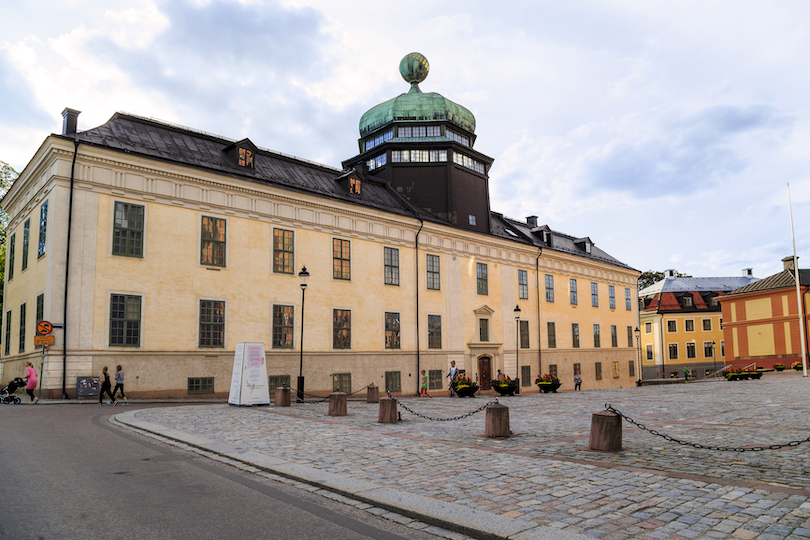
x=666 y=131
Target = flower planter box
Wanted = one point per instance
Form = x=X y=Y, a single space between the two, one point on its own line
x=464 y=390
x=779 y=367
x=548 y=387
x=506 y=387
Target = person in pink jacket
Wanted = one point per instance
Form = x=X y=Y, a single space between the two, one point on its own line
x=31 y=380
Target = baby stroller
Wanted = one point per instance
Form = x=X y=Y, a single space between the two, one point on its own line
x=7 y=393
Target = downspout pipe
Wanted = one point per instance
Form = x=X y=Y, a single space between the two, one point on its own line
x=539 y=329
x=67 y=271
x=418 y=359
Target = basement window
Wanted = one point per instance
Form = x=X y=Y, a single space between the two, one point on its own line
x=200 y=385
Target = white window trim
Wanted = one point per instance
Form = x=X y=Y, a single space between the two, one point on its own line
x=686 y=350
x=441 y=272
x=702 y=325
x=685 y=329
x=667 y=326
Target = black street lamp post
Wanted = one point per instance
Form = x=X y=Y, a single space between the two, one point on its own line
x=303 y=275
x=639 y=382
x=517 y=346
x=714 y=357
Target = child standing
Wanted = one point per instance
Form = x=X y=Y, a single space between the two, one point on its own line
x=424 y=385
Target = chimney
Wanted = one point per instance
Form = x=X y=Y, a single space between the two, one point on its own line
x=748 y=272
x=788 y=263
x=70 y=118
x=532 y=221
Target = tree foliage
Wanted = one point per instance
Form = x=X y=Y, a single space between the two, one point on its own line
x=7 y=177
x=651 y=276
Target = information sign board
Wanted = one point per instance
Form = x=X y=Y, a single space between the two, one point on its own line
x=249 y=383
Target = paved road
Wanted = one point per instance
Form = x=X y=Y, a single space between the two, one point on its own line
x=543 y=478
x=68 y=473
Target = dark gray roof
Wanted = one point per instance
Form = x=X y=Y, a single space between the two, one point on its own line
x=176 y=144
x=692 y=284
x=782 y=280
x=136 y=135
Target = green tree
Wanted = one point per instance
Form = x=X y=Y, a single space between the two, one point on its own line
x=651 y=276
x=7 y=177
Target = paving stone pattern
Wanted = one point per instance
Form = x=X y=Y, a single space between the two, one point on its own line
x=545 y=473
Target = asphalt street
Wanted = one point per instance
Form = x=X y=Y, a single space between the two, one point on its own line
x=68 y=473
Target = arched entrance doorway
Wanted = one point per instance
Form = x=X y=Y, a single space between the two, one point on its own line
x=484 y=371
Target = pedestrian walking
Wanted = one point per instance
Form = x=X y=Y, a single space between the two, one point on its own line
x=105 y=387
x=577 y=381
x=424 y=389
x=453 y=375
x=686 y=373
x=119 y=383
x=31 y=380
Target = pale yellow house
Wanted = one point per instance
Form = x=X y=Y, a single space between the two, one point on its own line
x=183 y=244
x=681 y=325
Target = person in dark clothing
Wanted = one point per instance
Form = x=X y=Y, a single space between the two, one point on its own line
x=105 y=387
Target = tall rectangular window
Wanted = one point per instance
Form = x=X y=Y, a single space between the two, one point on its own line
x=594 y=294
x=673 y=351
x=707 y=325
x=689 y=325
x=525 y=375
x=283 y=327
x=629 y=336
x=283 y=251
x=628 y=305
x=433 y=272
x=572 y=284
x=575 y=335
x=483 y=329
x=691 y=350
x=43 y=227
x=616 y=369
x=650 y=352
x=631 y=368
x=523 y=285
x=434 y=331
x=614 y=335
x=612 y=296
x=482 y=285
x=672 y=326
x=598 y=371
x=212 y=323
x=22 y=328
x=128 y=230
x=393 y=381
x=7 y=345
x=524 y=334
x=341 y=329
x=597 y=338
x=11 y=244
x=391 y=256
x=125 y=320
x=212 y=245
x=392 y=338
x=341 y=259
x=26 y=239
x=40 y=315
x=549 y=288
x=577 y=369
x=708 y=349
x=551 y=333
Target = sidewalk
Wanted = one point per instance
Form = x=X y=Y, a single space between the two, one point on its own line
x=542 y=482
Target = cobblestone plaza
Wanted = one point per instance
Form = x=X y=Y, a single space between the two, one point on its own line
x=544 y=474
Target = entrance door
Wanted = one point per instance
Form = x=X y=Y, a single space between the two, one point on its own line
x=485 y=372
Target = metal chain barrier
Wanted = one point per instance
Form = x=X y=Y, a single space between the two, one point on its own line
x=440 y=419
x=704 y=446
x=294 y=393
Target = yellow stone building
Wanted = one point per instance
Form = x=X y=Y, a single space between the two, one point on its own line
x=681 y=325
x=174 y=245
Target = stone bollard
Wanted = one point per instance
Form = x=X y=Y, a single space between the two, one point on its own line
x=388 y=411
x=373 y=395
x=337 y=404
x=606 y=432
x=282 y=396
x=497 y=423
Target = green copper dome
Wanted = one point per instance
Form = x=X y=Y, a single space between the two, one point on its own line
x=416 y=106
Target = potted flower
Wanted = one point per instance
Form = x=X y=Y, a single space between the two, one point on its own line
x=505 y=386
x=464 y=386
x=547 y=383
x=779 y=367
x=797 y=366
x=754 y=374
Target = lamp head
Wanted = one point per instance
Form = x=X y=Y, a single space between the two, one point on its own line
x=303 y=275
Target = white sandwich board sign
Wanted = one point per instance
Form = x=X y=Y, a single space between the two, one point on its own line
x=249 y=384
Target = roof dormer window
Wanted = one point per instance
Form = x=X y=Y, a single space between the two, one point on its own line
x=245 y=158
x=354 y=185
x=687 y=301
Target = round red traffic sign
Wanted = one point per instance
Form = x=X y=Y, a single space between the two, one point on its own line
x=44 y=328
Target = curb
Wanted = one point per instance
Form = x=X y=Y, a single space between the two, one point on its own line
x=474 y=523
